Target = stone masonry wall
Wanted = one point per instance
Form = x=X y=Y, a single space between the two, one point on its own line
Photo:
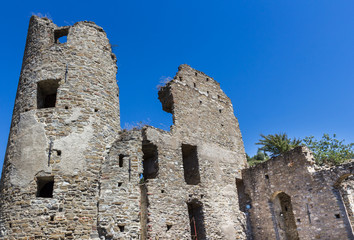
x=203 y=118
x=66 y=142
x=291 y=199
x=119 y=203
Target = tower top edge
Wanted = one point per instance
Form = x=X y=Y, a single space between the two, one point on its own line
x=47 y=21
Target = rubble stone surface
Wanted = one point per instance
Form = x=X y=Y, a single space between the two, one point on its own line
x=70 y=172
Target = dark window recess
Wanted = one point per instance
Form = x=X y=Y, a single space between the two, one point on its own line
x=168 y=226
x=121 y=159
x=244 y=200
x=58 y=152
x=47 y=93
x=195 y=85
x=60 y=35
x=196 y=74
x=121 y=228
x=337 y=215
x=45 y=187
x=190 y=164
x=150 y=160
x=196 y=220
x=120 y=184
x=284 y=215
x=266 y=176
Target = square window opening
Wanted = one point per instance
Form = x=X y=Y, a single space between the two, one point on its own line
x=60 y=35
x=47 y=93
x=45 y=187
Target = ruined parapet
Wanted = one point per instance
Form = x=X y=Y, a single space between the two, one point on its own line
x=290 y=199
x=201 y=109
x=66 y=113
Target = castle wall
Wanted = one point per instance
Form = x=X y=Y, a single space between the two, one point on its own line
x=290 y=199
x=120 y=190
x=204 y=124
x=62 y=138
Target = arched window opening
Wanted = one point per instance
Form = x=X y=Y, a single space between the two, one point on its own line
x=284 y=217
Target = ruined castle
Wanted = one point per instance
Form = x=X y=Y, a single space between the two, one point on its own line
x=70 y=172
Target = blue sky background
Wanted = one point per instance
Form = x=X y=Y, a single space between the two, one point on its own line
x=288 y=66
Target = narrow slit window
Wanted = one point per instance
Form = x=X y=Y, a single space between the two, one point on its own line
x=121 y=160
x=47 y=93
x=190 y=164
x=150 y=160
x=196 y=220
x=45 y=186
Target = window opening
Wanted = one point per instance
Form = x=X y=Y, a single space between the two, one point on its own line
x=244 y=201
x=190 y=164
x=120 y=184
x=168 y=226
x=121 y=228
x=47 y=93
x=284 y=216
x=121 y=159
x=150 y=160
x=196 y=220
x=60 y=35
x=45 y=187
x=337 y=215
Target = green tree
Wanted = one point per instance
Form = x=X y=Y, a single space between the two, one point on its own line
x=261 y=156
x=329 y=150
x=276 y=144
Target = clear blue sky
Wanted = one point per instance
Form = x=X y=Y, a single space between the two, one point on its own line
x=288 y=66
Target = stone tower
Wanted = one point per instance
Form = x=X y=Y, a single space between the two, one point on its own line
x=66 y=115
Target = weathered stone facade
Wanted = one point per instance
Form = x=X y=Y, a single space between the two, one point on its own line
x=290 y=198
x=71 y=173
